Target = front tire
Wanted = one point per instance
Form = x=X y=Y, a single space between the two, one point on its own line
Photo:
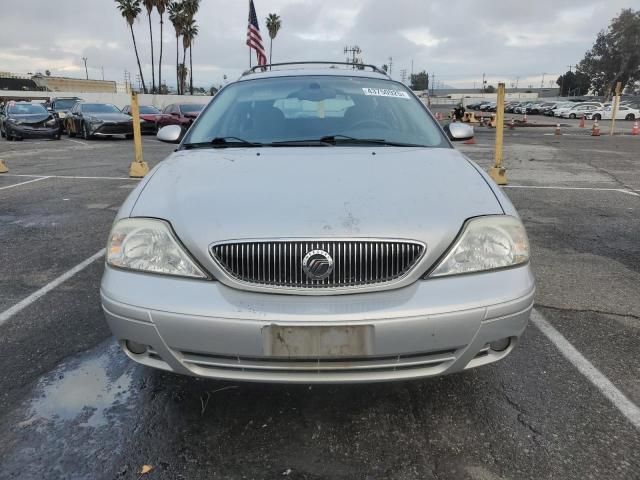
x=630 y=116
x=572 y=116
x=85 y=132
x=597 y=117
x=129 y=136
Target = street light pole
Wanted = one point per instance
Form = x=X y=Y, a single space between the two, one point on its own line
x=86 y=72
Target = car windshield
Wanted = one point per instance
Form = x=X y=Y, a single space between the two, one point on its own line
x=99 y=108
x=306 y=108
x=65 y=104
x=26 y=109
x=191 y=108
x=148 y=110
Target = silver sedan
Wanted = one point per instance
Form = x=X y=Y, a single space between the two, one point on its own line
x=316 y=225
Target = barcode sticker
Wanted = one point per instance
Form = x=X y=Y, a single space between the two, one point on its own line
x=385 y=92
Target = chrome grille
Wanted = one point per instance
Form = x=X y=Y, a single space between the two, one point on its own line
x=279 y=263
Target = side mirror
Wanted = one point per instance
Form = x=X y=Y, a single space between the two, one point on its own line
x=170 y=134
x=459 y=131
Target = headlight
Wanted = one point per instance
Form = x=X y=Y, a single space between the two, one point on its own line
x=149 y=245
x=13 y=120
x=94 y=120
x=51 y=123
x=486 y=243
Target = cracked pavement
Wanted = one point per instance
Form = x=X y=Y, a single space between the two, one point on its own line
x=72 y=406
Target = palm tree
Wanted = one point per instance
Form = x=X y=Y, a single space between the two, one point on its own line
x=188 y=36
x=190 y=9
x=149 y=4
x=273 y=25
x=176 y=16
x=130 y=9
x=182 y=76
x=161 y=6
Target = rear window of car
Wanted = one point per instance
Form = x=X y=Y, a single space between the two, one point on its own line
x=191 y=108
x=296 y=108
x=147 y=110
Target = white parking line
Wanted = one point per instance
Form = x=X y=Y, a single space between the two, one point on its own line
x=75 y=177
x=595 y=189
x=77 y=141
x=24 y=183
x=21 y=305
x=586 y=368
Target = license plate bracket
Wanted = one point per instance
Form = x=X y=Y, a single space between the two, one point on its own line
x=339 y=341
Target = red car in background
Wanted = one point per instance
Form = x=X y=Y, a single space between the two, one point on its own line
x=149 y=116
x=183 y=114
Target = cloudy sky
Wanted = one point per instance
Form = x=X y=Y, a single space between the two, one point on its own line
x=458 y=40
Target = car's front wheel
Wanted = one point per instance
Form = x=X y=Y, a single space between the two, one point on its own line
x=85 y=132
x=630 y=116
x=572 y=116
x=597 y=116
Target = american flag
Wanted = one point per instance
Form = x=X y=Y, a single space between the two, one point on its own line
x=254 y=40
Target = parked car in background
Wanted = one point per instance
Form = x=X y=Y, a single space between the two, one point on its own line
x=149 y=116
x=98 y=119
x=290 y=284
x=522 y=108
x=183 y=114
x=488 y=107
x=578 y=111
x=19 y=120
x=624 y=113
x=60 y=106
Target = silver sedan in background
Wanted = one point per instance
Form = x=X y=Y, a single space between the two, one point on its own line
x=316 y=225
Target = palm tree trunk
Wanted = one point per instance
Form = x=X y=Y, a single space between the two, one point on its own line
x=153 y=73
x=178 y=65
x=182 y=79
x=191 y=69
x=270 y=51
x=135 y=48
x=160 y=59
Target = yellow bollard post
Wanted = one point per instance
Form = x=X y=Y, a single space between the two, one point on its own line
x=3 y=167
x=498 y=173
x=139 y=167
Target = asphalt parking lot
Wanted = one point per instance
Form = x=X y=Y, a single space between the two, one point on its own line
x=564 y=405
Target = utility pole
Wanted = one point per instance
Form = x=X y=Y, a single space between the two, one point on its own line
x=433 y=83
x=354 y=50
x=390 y=65
x=412 y=67
x=403 y=75
x=542 y=82
x=102 y=68
x=84 y=59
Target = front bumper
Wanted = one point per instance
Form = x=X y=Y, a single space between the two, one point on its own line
x=31 y=132
x=207 y=329
x=108 y=129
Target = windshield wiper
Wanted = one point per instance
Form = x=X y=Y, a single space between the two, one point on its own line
x=223 y=142
x=341 y=140
x=345 y=139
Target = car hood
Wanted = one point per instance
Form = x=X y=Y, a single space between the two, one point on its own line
x=31 y=117
x=422 y=194
x=110 y=117
x=192 y=114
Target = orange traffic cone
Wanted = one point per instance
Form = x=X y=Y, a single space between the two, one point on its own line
x=525 y=117
x=471 y=141
x=558 y=129
x=595 y=130
x=636 y=128
x=512 y=124
x=581 y=122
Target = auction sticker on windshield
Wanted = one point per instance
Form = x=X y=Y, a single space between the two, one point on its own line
x=384 y=92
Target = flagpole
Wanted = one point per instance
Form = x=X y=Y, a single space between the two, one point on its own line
x=249 y=45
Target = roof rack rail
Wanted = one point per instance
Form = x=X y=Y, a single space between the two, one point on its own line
x=255 y=68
